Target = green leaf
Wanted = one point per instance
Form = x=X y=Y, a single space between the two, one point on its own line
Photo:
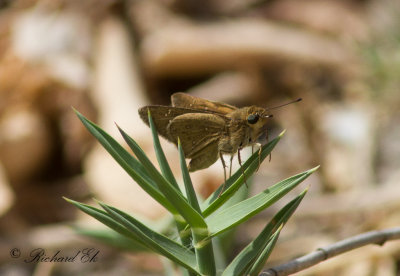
x=105 y=218
x=173 y=195
x=112 y=238
x=259 y=263
x=163 y=245
x=248 y=255
x=167 y=173
x=190 y=193
x=132 y=166
x=151 y=170
x=202 y=244
x=133 y=229
x=162 y=160
x=225 y=219
x=213 y=202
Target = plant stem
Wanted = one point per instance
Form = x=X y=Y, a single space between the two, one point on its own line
x=204 y=252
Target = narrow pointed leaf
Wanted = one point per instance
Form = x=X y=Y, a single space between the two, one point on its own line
x=162 y=160
x=225 y=219
x=167 y=173
x=106 y=219
x=259 y=263
x=202 y=244
x=190 y=193
x=145 y=161
x=112 y=238
x=163 y=245
x=132 y=166
x=248 y=255
x=174 y=196
x=213 y=202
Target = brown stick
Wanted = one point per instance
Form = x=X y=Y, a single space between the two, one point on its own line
x=324 y=253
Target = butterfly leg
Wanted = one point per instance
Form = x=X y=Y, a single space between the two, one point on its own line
x=230 y=167
x=240 y=163
x=224 y=165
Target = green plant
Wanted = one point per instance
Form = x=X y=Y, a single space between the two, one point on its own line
x=199 y=225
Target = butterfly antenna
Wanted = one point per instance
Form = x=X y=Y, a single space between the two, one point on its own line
x=291 y=102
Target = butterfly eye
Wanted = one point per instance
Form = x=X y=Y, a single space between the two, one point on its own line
x=252 y=118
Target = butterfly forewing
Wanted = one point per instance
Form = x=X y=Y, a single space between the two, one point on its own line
x=162 y=116
x=187 y=101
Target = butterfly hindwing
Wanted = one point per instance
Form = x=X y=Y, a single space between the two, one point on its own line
x=196 y=131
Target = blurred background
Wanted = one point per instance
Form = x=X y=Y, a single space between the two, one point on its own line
x=108 y=58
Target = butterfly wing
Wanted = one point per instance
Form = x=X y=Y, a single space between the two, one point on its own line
x=188 y=101
x=163 y=115
x=197 y=132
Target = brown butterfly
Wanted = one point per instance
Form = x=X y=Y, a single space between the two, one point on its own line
x=208 y=129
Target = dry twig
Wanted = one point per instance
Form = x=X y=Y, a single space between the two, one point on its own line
x=324 y=253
